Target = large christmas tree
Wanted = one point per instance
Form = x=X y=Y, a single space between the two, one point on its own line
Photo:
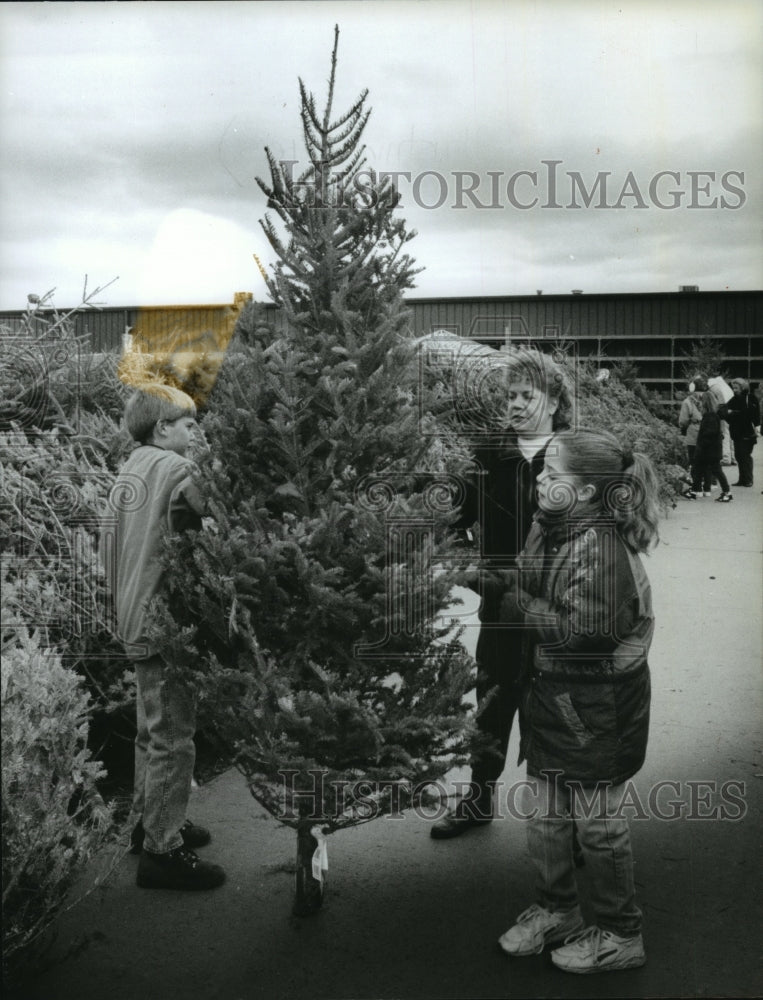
x=307 y=612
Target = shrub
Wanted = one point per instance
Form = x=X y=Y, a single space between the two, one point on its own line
x=59 y=447
x=631 y=418
x=90 y=384
x=53 y=493
x=53 y=817
x=48 y=372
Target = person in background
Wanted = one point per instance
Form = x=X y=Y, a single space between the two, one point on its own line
x=707 y=454
x=690 y=418
x=723 y=393
x=742 y=412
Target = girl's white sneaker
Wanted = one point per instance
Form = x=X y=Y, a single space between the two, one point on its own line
x=537 y=927
x=595 y=950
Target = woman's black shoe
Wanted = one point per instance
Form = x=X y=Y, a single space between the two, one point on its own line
x=180 y=869
x=451 y=825
x=193 y=836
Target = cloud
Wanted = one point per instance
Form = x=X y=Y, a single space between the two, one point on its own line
x=196 y=250
x=124 y=122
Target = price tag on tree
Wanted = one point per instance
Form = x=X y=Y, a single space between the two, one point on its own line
x=320 y=854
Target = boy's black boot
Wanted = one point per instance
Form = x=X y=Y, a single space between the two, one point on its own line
x=180 y=869
x=193 y=836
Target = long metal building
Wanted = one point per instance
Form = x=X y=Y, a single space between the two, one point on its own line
x=656 y=330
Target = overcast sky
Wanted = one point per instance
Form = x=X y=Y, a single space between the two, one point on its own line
x=132 y=134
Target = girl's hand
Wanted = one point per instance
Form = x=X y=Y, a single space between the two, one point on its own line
x=469 y=578
x=481 y=580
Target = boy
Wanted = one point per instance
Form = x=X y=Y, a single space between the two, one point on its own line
x=155 y=492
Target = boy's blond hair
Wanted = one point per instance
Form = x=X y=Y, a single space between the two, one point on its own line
x=152 y=402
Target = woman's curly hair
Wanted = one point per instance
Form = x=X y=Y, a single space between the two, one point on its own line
x=540 y=370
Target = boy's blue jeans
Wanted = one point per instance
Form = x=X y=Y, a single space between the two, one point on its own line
x=164 y=755
x=606 y=845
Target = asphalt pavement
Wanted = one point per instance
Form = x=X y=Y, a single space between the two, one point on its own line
x=408 y=917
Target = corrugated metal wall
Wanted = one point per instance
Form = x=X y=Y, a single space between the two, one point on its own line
x=654 y=329
x=701 y=314
x=152 y=327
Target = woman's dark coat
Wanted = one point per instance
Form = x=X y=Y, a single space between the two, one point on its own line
x=743 y=415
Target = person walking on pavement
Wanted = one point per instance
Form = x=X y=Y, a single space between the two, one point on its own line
x=583 y=597
x=742 y=412
x=501 y=500
x=707 y=455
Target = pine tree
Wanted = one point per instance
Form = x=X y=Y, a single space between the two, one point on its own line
x=706 y=357
x=342 y=264
x=306 y=613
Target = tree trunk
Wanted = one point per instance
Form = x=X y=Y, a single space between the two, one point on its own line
x=309 y=878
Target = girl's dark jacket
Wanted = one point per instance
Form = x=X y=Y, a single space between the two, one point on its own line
x=709 y=440
x=586 y=606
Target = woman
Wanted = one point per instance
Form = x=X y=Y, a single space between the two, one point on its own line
x=709 y=449
x=690 y=418
x=742 y=412
x=501 y=499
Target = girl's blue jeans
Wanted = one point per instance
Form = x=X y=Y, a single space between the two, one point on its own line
x=605 y=841
x=164 y=755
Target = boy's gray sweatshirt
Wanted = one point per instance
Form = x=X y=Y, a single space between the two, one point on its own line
x=152 y=489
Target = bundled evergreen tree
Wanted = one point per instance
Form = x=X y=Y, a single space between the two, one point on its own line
x=305 y=614
x=706 y=357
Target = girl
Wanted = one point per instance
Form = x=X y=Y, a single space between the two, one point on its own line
x=583 y=598
x=689 y=420
x=708 y=452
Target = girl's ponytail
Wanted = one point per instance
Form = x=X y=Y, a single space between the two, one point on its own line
x=633 y=502
x=626 y=485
